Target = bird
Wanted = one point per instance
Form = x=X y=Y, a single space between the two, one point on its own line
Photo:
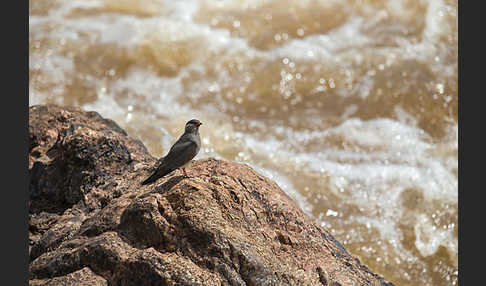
x=181 y=153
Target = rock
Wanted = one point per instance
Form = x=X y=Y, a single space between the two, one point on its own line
x=91 y=222
x=83 y=277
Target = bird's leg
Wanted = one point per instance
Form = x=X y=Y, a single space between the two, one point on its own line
x=185 y=174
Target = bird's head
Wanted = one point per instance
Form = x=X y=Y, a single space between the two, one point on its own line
x=192 y=125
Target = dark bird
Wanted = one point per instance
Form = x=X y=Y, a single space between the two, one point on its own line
x=181 y=153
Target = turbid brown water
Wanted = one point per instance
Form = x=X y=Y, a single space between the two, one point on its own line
x=351 y=106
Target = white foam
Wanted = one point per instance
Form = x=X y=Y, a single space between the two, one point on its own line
x=429 y=237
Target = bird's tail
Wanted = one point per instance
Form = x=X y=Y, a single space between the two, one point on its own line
x=150 y=179
x=160 y=172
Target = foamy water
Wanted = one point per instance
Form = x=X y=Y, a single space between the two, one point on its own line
x=350 y=106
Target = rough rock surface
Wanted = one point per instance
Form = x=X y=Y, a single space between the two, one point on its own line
x=92 y=223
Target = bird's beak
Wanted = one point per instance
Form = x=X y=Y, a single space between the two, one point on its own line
x=199 y=124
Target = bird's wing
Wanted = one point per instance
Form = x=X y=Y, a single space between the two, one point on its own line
x=182 y=152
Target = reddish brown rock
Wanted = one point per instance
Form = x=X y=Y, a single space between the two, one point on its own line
x=91 y=220
x=83 y=277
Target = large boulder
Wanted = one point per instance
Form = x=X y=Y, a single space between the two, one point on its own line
x=92 y=223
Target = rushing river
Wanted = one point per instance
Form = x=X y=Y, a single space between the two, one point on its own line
x=350 y=105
